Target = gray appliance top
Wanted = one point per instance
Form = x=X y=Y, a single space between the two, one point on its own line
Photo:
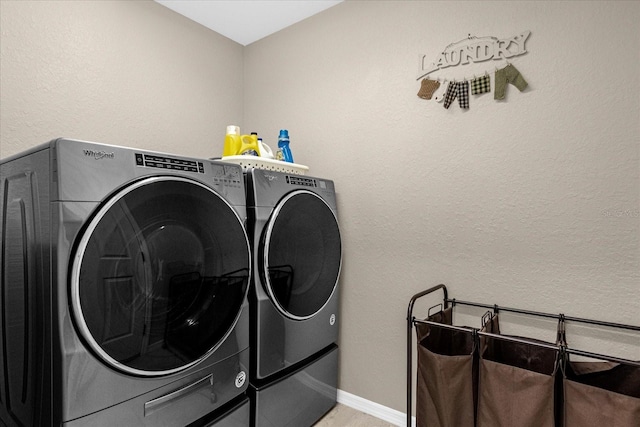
x=266 y=188
x=88 y=171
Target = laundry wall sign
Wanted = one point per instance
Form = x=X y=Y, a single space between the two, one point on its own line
x=475 y=49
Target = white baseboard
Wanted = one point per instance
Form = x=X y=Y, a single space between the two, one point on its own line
x=385 y=413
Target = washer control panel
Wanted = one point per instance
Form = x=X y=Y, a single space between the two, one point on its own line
x=227 y=174
x=165 y=162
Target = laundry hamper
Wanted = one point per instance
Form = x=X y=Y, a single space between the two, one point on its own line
x=445 y=386
x=517 y=381
x=601 y=394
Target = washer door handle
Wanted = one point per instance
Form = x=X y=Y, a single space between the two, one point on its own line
x=162 y=401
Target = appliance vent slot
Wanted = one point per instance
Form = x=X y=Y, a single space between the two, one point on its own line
x=298 y=180
x=172 y=163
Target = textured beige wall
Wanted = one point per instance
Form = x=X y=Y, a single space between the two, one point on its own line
x=130 y=73
x=533 y=202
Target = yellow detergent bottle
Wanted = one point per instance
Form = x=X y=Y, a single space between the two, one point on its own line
x=232 y=141
x=249 y=145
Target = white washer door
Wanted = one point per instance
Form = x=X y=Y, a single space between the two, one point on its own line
x=159 y=276
x=301 y=254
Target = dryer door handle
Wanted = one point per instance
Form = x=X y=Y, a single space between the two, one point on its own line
x=162 y=401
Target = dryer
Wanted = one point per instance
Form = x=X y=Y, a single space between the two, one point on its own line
x=124 y=288
x=297 y=256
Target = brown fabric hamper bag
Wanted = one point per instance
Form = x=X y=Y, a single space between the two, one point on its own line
x=445 y=386
x=516 y=382
x=601 y=394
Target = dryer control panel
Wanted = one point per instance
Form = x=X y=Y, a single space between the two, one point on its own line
x=306 y=182
x=300 y=180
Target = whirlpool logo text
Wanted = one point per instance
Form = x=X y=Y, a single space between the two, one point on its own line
x=98 y=155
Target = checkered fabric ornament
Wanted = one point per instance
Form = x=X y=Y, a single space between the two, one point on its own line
x=480 y=85
x=463 y=94
x=452 y=92
x=458 y=90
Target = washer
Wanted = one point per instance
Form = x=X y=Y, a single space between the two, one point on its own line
x=297 y=258
x=124 y=287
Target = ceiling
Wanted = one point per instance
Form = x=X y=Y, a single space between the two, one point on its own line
x=246 y=21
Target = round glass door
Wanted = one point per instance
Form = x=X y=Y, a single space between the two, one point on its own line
x=159 y=276
x=301 y=255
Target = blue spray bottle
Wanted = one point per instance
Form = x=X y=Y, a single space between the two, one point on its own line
x=283 y=145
